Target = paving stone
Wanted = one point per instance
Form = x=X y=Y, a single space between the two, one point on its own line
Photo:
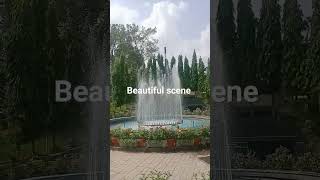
x=131 y=165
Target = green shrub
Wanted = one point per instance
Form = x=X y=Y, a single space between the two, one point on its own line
x=171 y=134
x=160 y=133
x=156 y=175
x=157 y=134
x=122 y=111
x=201 y=176
x=246 y=161
x=126 y=134
x=115 y=132
x=186 y=134
x=308 y=162
x=204 y=132
x=280 y=159
x=140 y=134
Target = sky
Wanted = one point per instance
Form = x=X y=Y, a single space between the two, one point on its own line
x=182 y=25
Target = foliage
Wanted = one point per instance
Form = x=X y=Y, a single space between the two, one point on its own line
x=172 y=62
x=202 y=80
x=225 y=23
x=197 y=111
x=134 y=40
x=116 y=132
x=160 y=133
x=120 y=81
x=204 y=132
x=293 y=51
x=308 y=162
x=126 y=134
x=186 y=74
x=248 y=160
x=269 y=46
x=194 y=72
x=130 y=45
x=171 y=134
x=141 y=134
x=180 y=69
x=121 y=111
x=157 y=134
x=186 y=134
x=156 y=175
x=201 y=176
x=281 y=159
x=245 y=43
x=311 y=66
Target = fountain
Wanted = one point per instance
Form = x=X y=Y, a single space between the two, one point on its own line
x=159 y=109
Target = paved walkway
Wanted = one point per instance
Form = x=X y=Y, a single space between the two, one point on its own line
x=182 y=165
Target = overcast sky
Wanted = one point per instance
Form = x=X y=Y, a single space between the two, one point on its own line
x=182 y=25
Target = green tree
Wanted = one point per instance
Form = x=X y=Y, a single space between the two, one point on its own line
x=270 y=47
x=246 y=47
x=293 y=51
x=202 y=77
x=311 y=67
x=194 y=72
x=136 y=42
x=173 y=62
x=186 y=73
x=161 y=63
x=180 y=68
x=226 y=35
x=119 y=81
x=154 y=69
x=27 y=64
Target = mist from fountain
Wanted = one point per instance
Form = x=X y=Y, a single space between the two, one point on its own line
x=159 y=109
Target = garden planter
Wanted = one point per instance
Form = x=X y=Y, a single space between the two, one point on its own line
x=171 y=143
x=141 y=142
x=127 y=143
x=197 y=141
x=156 y=143
x=184 y=142
x=114 y=141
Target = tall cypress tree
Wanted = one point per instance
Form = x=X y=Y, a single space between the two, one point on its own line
x=173 y=62
x=154 y=69
x=293 y=25
x=180 y=68
x=226 y=34
x=161 y=63
x=194 y=72
x=119 y=81
x=186 y=73
x=270 y=46
x=246 y=37
x=312 y=65
x=202 y=76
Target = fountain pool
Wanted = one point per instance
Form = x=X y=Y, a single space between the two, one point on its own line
x=187 y=122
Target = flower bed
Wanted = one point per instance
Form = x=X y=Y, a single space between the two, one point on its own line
x=160 y=138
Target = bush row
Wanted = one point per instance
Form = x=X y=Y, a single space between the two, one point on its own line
x=281 y=159
x=160 y=133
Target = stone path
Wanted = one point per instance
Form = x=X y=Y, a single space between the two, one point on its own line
x=182 y=165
